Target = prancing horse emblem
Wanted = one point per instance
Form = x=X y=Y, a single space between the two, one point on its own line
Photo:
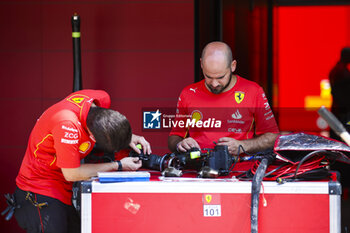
x=239 y=96
x=208 y=198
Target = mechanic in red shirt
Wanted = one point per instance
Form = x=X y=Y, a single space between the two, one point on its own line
x=63 y=135
x=233 y=111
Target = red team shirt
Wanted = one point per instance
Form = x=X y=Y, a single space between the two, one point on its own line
x=58 y=140
x=239 y=113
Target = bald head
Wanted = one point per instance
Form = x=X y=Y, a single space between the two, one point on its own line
x=217 y=67
x=215 y=53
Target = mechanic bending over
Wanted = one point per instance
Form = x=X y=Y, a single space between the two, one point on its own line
x=63 y=135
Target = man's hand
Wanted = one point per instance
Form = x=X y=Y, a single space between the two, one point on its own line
x=259 y=143
x=131 y=163
x=232 y=145
x=186 y=144
x=140 y=140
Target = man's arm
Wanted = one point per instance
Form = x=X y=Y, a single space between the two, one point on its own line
x=177 y=143
x=259 y=143
x=173 y=140
x=88 y=170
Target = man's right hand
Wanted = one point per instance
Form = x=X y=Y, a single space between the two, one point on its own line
x=186 y=144
x=131 y=163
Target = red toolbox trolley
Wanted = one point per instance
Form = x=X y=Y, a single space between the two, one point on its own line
x=177 y=205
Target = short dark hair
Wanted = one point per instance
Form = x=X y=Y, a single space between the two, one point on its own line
x=110 y=128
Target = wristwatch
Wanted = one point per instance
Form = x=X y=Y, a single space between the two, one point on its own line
x=120 y=166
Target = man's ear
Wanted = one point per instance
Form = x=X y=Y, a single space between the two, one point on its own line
x=233 y=66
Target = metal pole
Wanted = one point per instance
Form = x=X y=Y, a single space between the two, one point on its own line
x=77 y=80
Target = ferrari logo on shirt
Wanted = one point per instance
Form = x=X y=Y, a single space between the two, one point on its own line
x=208 y=198
x=78 y=100
x=239 y=96
x=84 y=147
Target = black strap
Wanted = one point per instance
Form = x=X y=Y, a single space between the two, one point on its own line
x=120 y=166
x=11 y=206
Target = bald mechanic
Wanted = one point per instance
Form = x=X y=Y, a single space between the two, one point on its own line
x=63 y=135
x=241 y=105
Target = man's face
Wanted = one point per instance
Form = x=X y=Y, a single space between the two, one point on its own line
x=217 y=81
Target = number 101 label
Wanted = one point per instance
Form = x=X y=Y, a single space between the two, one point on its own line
x=212 y=210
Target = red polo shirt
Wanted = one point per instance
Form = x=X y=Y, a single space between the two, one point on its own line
x=58 y=140
x=239 y=113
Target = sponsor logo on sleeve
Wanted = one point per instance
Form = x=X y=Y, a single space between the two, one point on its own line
x=84 y=147
x=269 y=117
x=69 y=129
x=67 y=141
x=269 y=112
x=71 y=135
x=267 y=106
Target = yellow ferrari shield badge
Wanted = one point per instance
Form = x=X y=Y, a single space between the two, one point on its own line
x=239 y=96
x=208 y=198
x=78 y=100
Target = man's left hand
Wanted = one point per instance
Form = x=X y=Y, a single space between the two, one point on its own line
x=232 y=145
